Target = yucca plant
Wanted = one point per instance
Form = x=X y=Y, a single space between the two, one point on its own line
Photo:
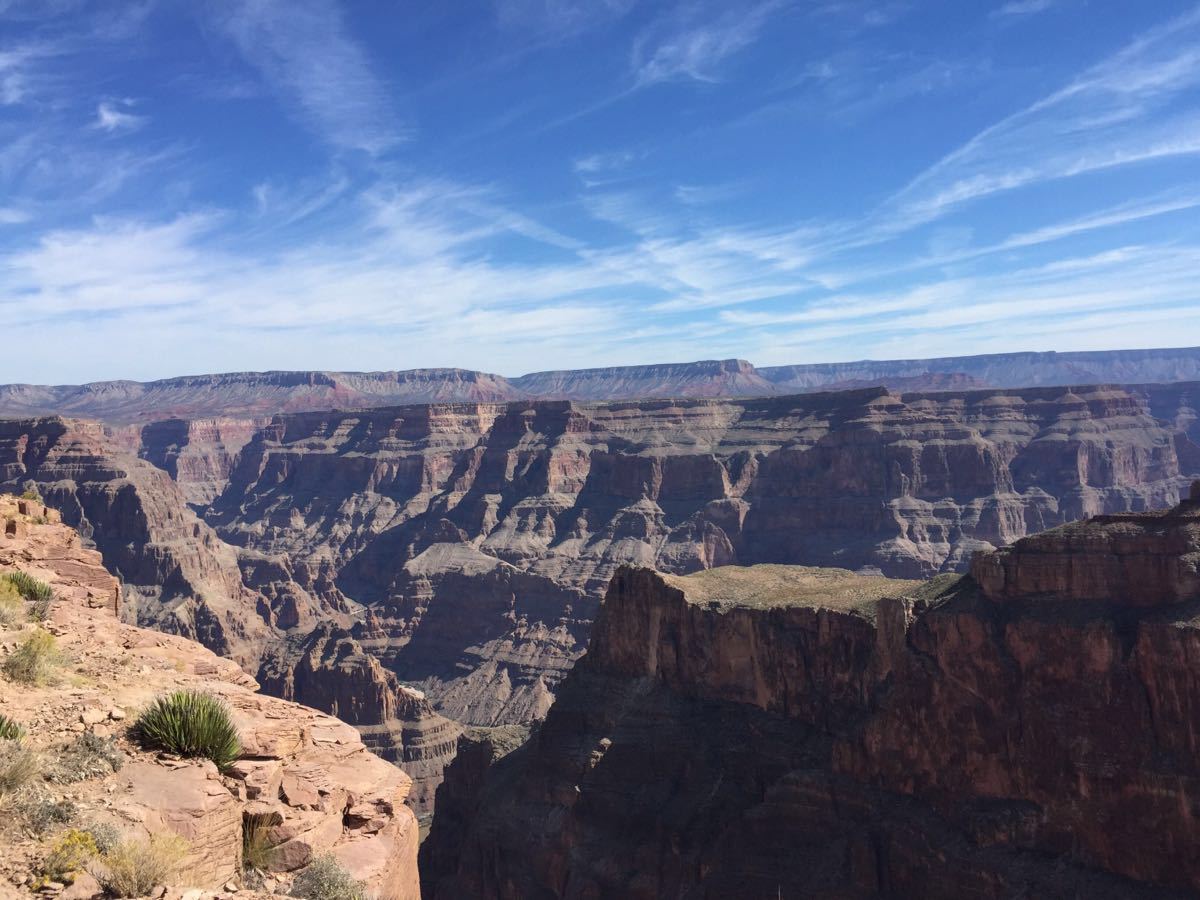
x=29 y=587
x=10 y=730
x=191 y=723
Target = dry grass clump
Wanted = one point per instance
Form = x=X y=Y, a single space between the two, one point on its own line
x=88 y=756
x=257 y=848
x=40 y=812
x=191 y=723
x=12 y=605
x=18 y=767
x=35 y=661
x=134 y=868
x=325 y=879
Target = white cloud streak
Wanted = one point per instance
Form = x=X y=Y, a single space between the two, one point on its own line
x=305 y=52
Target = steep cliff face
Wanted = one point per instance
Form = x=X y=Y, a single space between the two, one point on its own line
x=178 y=575
x=329 y=670
x=1027 y=730
x=305 y=780
x=198 y=454
x=482 y=535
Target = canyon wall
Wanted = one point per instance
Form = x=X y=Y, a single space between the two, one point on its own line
x=481 y=536
x=417 y=568
x=257 y=394
x=1029 y=729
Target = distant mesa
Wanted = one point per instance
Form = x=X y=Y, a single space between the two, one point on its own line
x=264 y=394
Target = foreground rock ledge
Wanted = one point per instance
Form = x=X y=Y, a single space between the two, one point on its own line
x=305 y=773
x=1028 y=730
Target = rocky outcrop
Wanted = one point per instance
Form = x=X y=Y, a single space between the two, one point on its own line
x=1026 y=730
x=305 y=778
x=329 y=670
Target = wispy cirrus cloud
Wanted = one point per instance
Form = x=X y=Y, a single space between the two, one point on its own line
x=111 y=116
x=1023 y=8
x=307 y=55
x=1133 y=107
x=675 y=50
x=559 y=18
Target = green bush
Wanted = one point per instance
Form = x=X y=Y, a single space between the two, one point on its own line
x=191 y=723
x=31 y=494
x=325 y=879
x=35 y=659
x=10 y=729
x=135 y=868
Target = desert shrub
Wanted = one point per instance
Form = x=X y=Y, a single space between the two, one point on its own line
x=73 y=850
x=40 y=812
x=325 y=879
x=105 y=835
x=18 y=766
x=191 y=723
x=12 y=604
x=10 y=729
x=134 y=868
x=88 y=756
x=35 y=659
x=31 y=494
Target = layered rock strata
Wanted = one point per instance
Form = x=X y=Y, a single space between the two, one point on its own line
x=1029 y=729
x=482 y=536
x=304 y=777
x=465 y=547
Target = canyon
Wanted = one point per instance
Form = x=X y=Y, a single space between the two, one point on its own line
x=417 y=570
x=1026 y=729
x=251 y=395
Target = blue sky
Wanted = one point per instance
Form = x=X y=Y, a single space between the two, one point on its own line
x=513 y=185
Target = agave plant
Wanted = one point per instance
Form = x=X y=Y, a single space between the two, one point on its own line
x=191 y=723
